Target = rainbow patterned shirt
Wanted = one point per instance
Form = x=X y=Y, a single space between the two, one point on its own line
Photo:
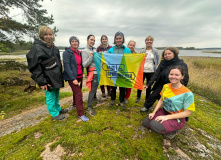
x=177 y=100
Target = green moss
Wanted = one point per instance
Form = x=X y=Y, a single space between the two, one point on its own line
x=109 y=135
x=53 y=146
x=171 y=151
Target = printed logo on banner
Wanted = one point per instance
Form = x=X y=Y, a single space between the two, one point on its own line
x=118 y=71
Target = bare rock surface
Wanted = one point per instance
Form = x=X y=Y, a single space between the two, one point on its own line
x=52 y=155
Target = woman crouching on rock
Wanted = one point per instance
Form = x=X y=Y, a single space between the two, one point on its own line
x=45 y=65
x=177 y=103
x=73 y=73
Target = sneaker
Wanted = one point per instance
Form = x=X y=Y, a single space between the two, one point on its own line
x=83 y=118
x=63 y=111
x=125 y=100
x=144 y=109
x=103 y=94
x=123 y=106
x=91 y=111
x=58 y=117
x=170 y=135
x=112 y=103
x=137 y=100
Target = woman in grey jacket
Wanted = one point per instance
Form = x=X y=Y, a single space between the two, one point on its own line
x=92 y=80
x=150 y=65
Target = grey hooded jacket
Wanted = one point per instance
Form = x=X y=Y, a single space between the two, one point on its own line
x=87 y=60
x=156 y=56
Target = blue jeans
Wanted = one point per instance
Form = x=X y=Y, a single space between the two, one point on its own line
x=52 y=101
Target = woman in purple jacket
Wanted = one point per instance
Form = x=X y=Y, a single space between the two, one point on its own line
x=104 y=47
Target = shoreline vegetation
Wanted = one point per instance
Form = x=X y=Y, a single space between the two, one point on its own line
x=114 y=134
x=211 y=51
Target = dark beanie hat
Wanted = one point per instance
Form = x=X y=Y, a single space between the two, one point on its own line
x=75 y=38
x=119 y=34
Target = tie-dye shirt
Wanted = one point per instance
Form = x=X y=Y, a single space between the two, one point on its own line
x=177 y=100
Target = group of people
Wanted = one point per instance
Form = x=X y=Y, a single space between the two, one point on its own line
x=165 y=79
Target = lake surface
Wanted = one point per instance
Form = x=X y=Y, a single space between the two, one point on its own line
x=197 y=53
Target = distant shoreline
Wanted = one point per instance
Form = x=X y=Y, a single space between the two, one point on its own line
x=211 y=51
x=183 y=52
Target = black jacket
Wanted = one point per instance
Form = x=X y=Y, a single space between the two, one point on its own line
x=160 y=77
x=70 y=65
x=40 y=53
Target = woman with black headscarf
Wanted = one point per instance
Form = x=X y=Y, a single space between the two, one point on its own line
x=169 y=58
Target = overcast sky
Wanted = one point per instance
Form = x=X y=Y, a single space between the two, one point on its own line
x=183 y=23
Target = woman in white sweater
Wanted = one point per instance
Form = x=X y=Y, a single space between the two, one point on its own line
x=150 y=66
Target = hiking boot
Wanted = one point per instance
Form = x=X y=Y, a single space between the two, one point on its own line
x=125 y=100
x=123 y=106
x=144 y=109
x=112 y=103
x=91 y=111
x=137 y=100
x=95 y=96
x=58 y=117
x=63 y=111
x=103 y=94
x=83 y=118
x=170 y=135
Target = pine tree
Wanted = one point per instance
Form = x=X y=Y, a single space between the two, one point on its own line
x=12 y=31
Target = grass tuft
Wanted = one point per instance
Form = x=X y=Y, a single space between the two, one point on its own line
x=205 y=77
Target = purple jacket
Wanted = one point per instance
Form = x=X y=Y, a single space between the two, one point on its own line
x=99 y=49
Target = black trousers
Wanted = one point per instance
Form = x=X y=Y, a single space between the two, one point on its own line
x=146 y=76
x=155 y=95
x=121 y=96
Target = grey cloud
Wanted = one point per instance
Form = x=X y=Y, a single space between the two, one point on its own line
x=178 y=23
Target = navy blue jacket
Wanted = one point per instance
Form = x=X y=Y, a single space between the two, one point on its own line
x=70 y=65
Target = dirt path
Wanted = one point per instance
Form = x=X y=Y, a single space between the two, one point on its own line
x=34 y=116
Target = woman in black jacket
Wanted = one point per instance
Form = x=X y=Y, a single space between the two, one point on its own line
x=169 y=58
x=45 y=65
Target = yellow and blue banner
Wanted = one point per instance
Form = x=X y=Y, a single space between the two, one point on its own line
x=122 y=70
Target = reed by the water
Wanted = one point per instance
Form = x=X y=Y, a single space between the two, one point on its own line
x=205 y=77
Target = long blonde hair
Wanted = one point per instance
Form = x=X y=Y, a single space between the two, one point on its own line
x=41 y=33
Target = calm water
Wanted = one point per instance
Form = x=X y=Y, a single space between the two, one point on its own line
x=197 y=53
